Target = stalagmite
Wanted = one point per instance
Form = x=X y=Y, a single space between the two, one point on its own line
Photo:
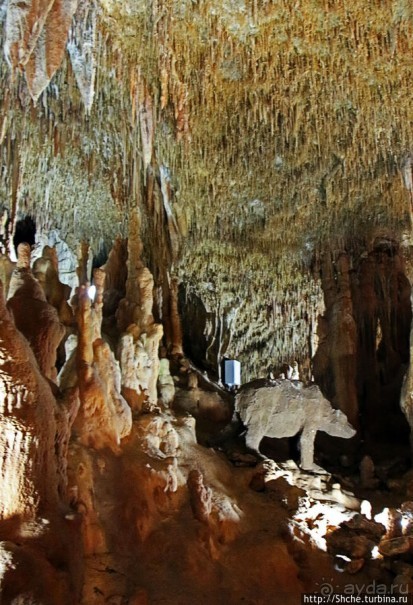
x=83 y=269
x=254 y=158
x=166 y=386
x=28 y=468
x=175 y=320
x=338 y=346
x=6 y=269
x=406 y=395
x=104 y=417
x=116 y=275
x=45 y=270
x=34 y=316
x=139 y=343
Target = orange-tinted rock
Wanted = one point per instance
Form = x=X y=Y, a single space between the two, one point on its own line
x=138 y=348
x=24 y=24
x=82 y=51
x=199 y=496
x=6 y=269
x=36 y=35
x=81 y=489
x=104 y=417
x=175 y=321
x=139 y=362
x=34 y=316
x=26 y=576
x=116 y=275
x=337 y=350
x=166 y=386
x=28 y=469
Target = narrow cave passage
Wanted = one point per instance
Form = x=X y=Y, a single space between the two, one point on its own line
x=25 y=232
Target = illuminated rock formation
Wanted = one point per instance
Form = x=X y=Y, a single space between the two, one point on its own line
x=46 y=271
x=139 y=343
x=166 y=386
x=6 y=269
x=104 y=417
x=29 y=468
x=34 y=316
x=250 y=163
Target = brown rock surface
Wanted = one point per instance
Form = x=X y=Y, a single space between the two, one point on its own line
x=338 y=344
x=36 y=319
x=28 y=471
x=6 y=269
x=139 y=344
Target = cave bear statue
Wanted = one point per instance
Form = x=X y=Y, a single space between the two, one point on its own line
x=284 y=408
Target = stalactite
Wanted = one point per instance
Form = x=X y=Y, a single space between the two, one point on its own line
x=36 y=35
x=82 y=50
x=146 y=122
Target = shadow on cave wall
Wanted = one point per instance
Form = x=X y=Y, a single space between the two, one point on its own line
x=194 y=319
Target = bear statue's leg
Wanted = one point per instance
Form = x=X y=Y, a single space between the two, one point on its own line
x=253 y=440
x=307 y=451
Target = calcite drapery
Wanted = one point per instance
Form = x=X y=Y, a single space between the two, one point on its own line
x=338 y=337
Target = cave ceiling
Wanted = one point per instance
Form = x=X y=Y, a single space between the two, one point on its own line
x=252 y=135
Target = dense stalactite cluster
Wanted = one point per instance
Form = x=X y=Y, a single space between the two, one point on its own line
x=303 y=101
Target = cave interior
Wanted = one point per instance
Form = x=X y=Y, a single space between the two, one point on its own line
x=183 y=184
